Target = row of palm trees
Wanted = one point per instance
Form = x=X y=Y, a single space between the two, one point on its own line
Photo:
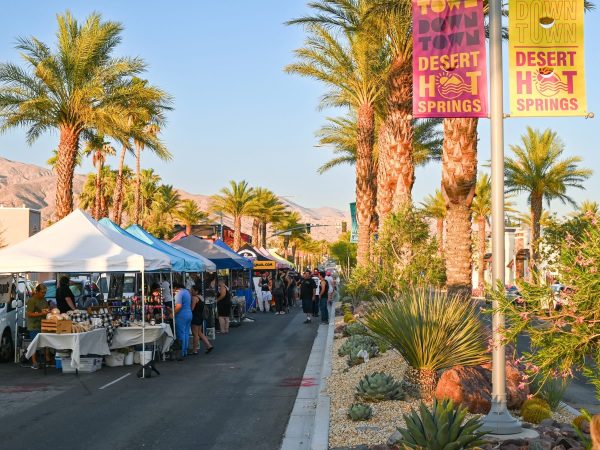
x=361 y=50
x=536 y=167
x=86 y=93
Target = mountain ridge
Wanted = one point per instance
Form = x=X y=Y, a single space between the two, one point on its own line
x=23 y=184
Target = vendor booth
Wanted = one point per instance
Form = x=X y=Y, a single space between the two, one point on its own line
x=78 y=244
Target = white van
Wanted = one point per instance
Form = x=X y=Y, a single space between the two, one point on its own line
x=11 y=316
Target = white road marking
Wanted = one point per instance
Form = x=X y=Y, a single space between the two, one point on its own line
x=115 y=381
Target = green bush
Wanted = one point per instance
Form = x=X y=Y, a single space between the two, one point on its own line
x=431 y=330
x=441 y=428
x=355 y=328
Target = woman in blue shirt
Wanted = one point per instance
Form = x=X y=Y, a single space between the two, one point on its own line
x=183 y=316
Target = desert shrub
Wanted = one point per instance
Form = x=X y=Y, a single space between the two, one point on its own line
x=431 y=330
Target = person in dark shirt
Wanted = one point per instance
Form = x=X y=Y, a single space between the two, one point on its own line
x=65 y=300
x=307 y=292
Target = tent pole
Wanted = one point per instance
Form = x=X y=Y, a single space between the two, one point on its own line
x=173 y=304
x=143 y=322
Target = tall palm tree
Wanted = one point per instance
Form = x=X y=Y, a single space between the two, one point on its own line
x=88 y=198
x=459 y=176
x=353 y=64
x=77 y=87
x=482 y=209
x=145 y=116
x=538 y=169
x=190 y=214
x=235 y=200
x=53 y=160
x=291 y=220
x=99 y=149
x=434 y=206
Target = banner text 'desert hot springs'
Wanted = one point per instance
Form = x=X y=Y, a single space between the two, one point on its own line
x=449 y=59
x=546 y=58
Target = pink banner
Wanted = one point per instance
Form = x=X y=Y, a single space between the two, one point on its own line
x=449 y=59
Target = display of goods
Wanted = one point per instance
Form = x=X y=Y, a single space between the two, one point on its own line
x=357 y=340
x=360 y=411
x=355 y=328
x=55 y=314
x=535 y=414
x=378 y=387
x=57 y=326
x=441 y=428
x=535 y=401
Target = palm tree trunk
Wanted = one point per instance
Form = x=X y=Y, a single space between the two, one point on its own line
x=459 y=177
x=263 y=233
x=98 y=191
x=118 y=196
x=440 y=235
x=138 y=185
x=396 y=173
x=65 y=167
x=237 y=233
x=255 y=231
x=188 y=229
x=365 y=180
x=481 y=249
x=536 y=217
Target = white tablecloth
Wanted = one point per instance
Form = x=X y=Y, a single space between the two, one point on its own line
x=129 y=336
x=89 y=343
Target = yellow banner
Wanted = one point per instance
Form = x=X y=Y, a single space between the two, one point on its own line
x=546 y=58
x=264 y=265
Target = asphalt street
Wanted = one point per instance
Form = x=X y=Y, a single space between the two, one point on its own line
x=238 y=397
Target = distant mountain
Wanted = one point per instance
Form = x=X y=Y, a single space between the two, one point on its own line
x=32 y=186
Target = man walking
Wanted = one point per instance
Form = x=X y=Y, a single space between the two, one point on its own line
x=315 y=305
x=264 y=297
x=323 y=298
x=307 y=294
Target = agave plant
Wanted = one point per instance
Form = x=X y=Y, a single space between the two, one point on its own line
x=359 y=341
x=379 y=386
x=432 y=331
x=355 y=328
x=441 y=428
x=360 y=411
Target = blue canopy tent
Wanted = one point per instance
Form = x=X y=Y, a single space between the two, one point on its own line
x=243 y=261
x=181 y=262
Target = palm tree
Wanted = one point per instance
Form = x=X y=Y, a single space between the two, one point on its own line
x=89 y=198
x=482 y=209
x=352 y=63
x=76 y=88
x=459 y=176
x=235 y=200
x=145 y=115
x=99 y=149
x=537 y=169
x=53 y=160
x=189 y=214
x=291 y=220
x=266 y=208
x=434 y=207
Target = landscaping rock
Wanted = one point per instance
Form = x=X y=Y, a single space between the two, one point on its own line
x=394 y=438
x=472 y=387
x=541 y=444
x=569 y=443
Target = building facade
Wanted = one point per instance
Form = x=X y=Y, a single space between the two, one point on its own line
x=18 y=224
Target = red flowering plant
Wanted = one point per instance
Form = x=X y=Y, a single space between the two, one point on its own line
x=564 y=328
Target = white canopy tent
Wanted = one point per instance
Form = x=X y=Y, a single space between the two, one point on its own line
x=78 y=244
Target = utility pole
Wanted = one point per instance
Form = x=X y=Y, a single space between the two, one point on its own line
x=498 y=420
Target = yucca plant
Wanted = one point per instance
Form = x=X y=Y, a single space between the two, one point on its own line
x=432 y=331
x=441 y=428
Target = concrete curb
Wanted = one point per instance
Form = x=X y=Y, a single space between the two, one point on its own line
x=308 y=427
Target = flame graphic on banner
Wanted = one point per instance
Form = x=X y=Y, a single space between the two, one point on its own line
x=549 y=83
x=452 y=86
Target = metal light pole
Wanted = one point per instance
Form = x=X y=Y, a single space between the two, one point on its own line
x=499 y=420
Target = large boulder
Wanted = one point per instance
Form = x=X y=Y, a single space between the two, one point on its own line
x=472 y=387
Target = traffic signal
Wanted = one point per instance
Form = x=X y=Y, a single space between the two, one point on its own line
x=308 y=228
x=344 y=227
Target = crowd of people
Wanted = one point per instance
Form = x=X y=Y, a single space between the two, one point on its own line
x=315 y=290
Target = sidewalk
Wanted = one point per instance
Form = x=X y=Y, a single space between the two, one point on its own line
x=308 y=427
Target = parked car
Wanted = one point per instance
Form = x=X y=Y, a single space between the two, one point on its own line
x=128 y=285
x=11 y=316
x=85 y=293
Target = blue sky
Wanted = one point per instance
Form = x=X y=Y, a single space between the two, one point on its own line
x=237 y=114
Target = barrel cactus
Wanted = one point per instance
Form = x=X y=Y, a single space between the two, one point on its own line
x=378 y=387
x=360 y=411
x=535 y=414
x=440 y=428
x=535 y=402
